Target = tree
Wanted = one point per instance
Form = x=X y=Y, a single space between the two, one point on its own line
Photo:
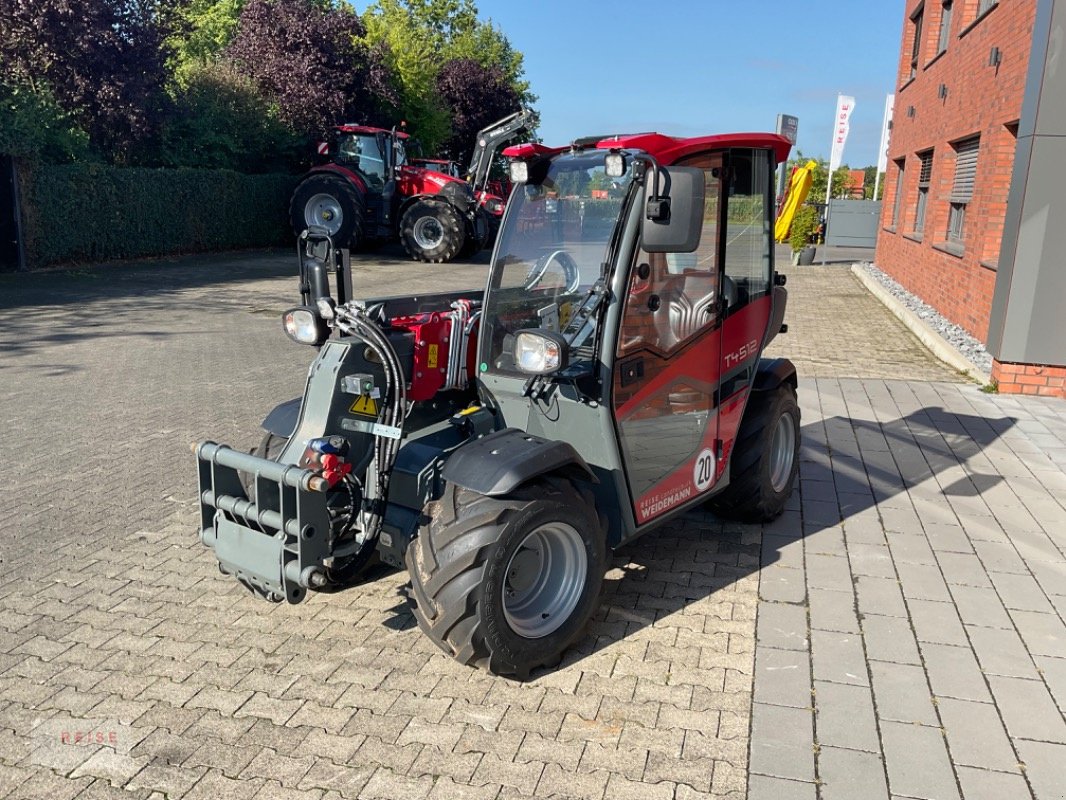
x=420 y=37
x=202 y=30
x=476 y=96
x=33 y=125
x=103 y=62
x=226 y=123
x=309 y=59
x=842 y=183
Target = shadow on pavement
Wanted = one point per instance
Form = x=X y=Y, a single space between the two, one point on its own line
x=697 y=558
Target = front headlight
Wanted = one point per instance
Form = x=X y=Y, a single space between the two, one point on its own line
x=539 y=352
x=519 y=171
x=302 y=324
x=493 y=205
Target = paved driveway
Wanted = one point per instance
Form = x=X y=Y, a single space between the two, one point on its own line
x=129 y=666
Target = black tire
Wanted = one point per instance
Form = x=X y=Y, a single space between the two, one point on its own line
x=460 y=572
x=349 y=204
x=269 y=447
x=753 y=494
x=433 y=231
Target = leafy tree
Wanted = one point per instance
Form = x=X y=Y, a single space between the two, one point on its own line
x=33 y=125
x=226 y=123
x=842 y=183
x=310 y=59
x=103 y=62
x=202 y=29
x=476 y=96
x=419 y=38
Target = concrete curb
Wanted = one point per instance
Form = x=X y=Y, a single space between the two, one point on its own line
x=920 y=328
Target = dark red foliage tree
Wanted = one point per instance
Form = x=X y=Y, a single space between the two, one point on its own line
x=104 y=62
x=476 y=96
x=304 y=55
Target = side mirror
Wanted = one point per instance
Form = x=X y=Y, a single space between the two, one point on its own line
x=673 y=219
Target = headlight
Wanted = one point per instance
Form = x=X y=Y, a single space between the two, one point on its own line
x=303 y=325
x=614 y=165
x=493 y=205
x=519 y=171
x=539 y=352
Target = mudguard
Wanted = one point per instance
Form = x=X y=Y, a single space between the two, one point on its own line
x=282 y=420
x=501 y=462
x=772 y=372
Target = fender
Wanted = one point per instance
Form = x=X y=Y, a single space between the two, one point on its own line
x=340 y=172
x=282 y=420
x=501 y=462
x=772 y=372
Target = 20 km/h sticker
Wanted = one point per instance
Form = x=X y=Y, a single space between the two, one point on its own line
x=365 y=405
x=703 y=470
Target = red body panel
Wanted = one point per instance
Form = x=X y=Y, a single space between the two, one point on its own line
x=433 y=332
x=668 y=149
x=414 y=181
x=342 y=172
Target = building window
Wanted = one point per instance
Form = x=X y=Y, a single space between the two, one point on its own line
x=899 y=192
x=916 y=45
x=962 y=190
x=985 y=5
x=924 y=174
x=945 y=27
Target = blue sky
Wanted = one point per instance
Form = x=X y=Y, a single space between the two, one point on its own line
x=688 y=68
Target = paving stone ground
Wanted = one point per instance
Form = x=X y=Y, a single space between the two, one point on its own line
x=856 y=645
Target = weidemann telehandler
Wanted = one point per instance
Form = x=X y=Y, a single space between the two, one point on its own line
x=499 y=444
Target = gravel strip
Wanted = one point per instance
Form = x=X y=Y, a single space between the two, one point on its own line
x=970 y=348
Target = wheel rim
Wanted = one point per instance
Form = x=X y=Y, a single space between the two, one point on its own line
x=544 y=580
x=782 y=452
x=325 y=211
x=427 y=232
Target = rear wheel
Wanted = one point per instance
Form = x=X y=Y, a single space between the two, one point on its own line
x=508 y=583
x=432 y=230
x=765 y=458
x=329 y=203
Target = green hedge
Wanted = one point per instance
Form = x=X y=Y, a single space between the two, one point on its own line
x=94 y=212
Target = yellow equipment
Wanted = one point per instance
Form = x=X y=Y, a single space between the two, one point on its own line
x=798 y=186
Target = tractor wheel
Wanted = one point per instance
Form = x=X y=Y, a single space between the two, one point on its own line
x=269 y=447
x=508 y=583
x=765 y=459
x=329 y=203
x=432 y=230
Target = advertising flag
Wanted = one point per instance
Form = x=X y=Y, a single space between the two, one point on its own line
x=841 y=126
x=886 y=132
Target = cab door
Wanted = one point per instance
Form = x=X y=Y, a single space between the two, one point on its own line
x=664 y=393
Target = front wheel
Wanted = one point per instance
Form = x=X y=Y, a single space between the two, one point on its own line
x=432 y=230
x=508 y=583
x=765 y=458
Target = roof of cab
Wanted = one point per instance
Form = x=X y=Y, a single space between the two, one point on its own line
x=668 y=149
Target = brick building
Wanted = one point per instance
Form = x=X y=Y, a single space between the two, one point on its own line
x=976 y=154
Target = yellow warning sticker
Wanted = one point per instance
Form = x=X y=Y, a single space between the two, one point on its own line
x=365 y=405
x=431 y=358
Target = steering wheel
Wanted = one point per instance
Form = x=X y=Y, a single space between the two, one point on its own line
x=571 y=273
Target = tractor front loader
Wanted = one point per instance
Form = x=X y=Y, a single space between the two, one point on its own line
x=498 y=445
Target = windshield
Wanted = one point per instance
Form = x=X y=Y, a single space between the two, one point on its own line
x=361 y=151
x=552 y=248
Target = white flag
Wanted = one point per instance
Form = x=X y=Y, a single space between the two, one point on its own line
x=841 y=126
x=886 y=129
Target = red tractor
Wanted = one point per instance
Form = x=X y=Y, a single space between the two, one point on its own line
x=368 y=190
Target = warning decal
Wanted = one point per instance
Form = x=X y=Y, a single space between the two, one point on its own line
x=431 y=358
x=365 y=405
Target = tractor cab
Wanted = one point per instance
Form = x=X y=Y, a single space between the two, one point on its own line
x=631 y=293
